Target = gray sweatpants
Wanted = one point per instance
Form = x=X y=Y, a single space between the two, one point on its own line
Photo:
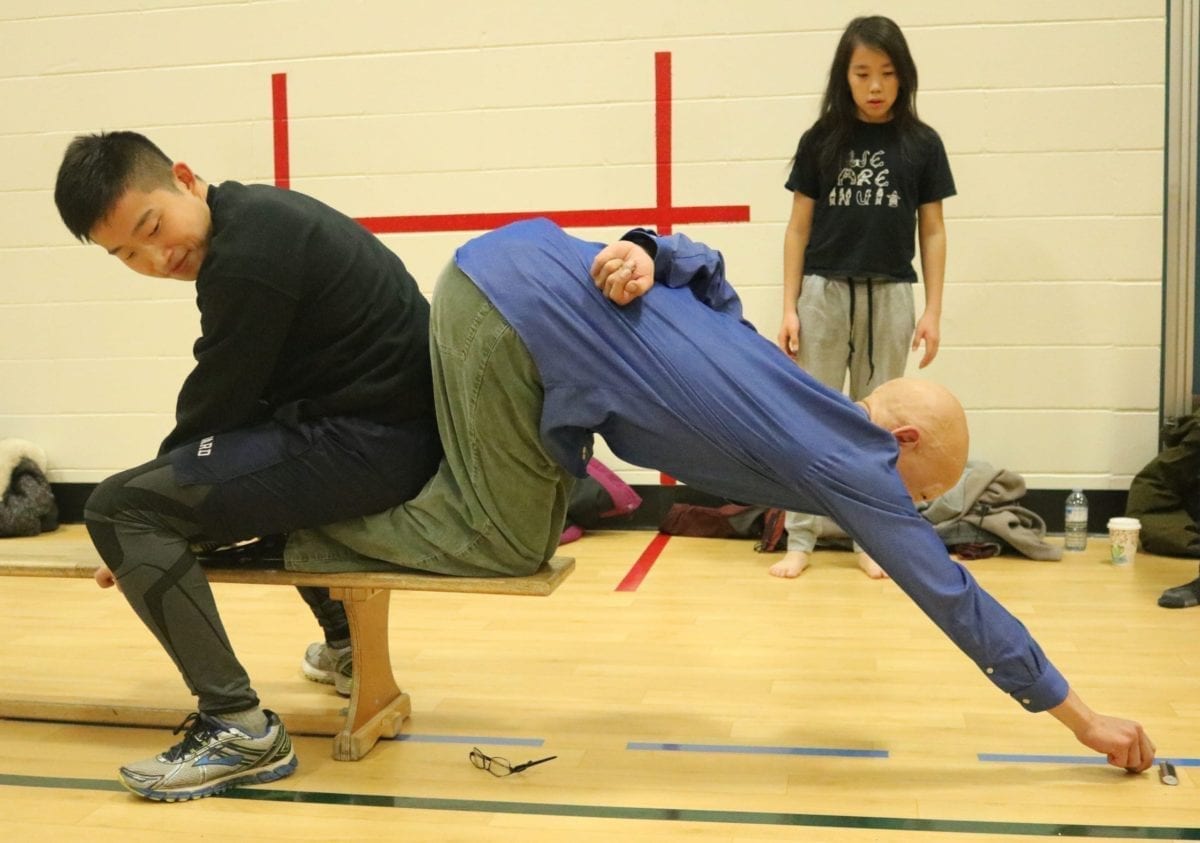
x=834 y=344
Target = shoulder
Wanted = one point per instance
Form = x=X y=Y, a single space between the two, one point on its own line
x=271 y=217
x=233 y=198
x=813 y=136
x=259 y=233
x=926 y=136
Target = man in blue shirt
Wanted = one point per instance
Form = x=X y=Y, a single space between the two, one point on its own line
x=531 y=359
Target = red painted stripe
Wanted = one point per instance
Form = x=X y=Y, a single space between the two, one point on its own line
x=662 y=142
x=596 y=218
x=279 y=109
x=645 y=562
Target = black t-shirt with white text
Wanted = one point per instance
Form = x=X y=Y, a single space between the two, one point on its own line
x=864 y=220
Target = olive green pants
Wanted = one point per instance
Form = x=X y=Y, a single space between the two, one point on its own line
x=497 y=503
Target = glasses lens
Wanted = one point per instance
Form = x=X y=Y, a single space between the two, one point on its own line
x=494 y=765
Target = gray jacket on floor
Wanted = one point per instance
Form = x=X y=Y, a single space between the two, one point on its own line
x=982 y=507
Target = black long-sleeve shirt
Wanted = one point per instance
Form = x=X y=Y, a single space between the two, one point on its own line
x=303 y=314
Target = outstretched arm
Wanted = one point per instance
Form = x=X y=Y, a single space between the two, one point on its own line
x=1124 y=742
x=869 y=503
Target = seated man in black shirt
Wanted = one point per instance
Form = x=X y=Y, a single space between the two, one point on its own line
x=310 y=401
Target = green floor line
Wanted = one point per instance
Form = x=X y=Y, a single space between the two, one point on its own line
x=614 y=812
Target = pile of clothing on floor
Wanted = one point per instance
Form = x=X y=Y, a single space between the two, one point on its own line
x=27 y=506
x=980 y=516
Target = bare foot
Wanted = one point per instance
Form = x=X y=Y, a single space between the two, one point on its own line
x=791 y=565
x=871 y=567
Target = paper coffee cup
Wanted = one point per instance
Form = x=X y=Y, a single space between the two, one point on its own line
x=1123 y=539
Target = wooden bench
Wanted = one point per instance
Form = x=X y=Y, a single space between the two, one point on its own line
x=377 y=706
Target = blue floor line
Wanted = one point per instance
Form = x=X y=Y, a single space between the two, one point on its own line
x=1072 y=759
x=480 y=740
x=757 y=750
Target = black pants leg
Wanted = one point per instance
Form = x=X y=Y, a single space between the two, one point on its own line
x=261 y=481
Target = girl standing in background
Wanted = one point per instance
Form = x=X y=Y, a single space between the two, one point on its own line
x=866 y=176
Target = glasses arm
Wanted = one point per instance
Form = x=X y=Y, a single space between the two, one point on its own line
x=529 y=764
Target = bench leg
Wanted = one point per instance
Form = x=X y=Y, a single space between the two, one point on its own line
x=377 y=705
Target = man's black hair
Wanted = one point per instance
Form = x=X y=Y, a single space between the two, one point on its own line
x=97 y=169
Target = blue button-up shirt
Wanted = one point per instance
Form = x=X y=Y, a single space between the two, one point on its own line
x=678 y=381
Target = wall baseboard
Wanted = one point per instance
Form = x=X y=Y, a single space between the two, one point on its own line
x=657 y=500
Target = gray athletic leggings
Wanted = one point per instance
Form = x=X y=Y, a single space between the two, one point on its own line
x=262 y=481
x=146 y=515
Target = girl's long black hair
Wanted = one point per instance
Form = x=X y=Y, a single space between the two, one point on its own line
x=835 y=126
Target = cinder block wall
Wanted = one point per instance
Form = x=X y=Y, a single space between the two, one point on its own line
x=1052 y=112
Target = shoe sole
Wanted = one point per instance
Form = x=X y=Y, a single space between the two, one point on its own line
x=259 y=775
x=325 y=677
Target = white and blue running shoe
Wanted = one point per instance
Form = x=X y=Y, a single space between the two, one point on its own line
x=213 y=756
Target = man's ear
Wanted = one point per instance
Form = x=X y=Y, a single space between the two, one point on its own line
x=184 y=175
x=907 y=436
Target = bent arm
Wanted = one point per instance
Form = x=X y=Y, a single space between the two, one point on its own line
x=620 y=268
x=682 y=262
x=243 y=328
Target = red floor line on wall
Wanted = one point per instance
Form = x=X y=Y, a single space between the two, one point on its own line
x=279 y=124
x=644 y=563
x=662 y=142
x=631 y=217
x=662 y=157
x=664 y=216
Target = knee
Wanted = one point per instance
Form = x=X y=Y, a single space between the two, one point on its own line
x=528 y=563
x=120 y=499
x=99 y=517
x=105 y=500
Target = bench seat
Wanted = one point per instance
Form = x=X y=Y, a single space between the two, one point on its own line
x=377 y=707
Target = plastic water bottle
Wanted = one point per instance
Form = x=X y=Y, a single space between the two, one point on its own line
x=1076 y=521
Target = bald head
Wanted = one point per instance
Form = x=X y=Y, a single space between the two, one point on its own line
x=931 y=429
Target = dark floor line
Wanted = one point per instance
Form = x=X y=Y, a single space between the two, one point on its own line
x=616 y=812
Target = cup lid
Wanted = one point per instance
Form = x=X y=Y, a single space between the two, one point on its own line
x=1124 y=524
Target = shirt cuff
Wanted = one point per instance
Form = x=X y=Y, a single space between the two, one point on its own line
x=1048 y=691
x=645 y=238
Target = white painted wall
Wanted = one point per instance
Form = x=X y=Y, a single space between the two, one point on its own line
x=1052 y=112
